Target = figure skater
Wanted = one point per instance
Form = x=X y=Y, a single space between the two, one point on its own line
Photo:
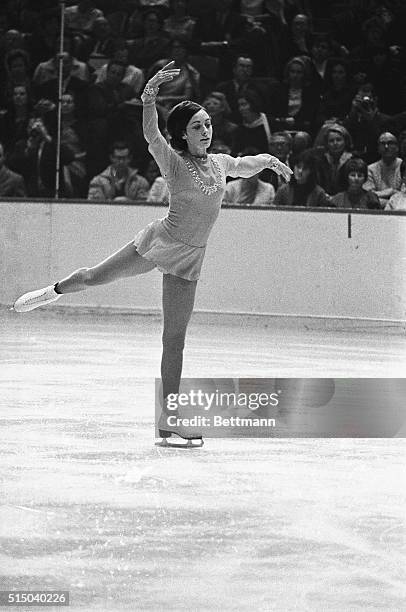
x=175 y=245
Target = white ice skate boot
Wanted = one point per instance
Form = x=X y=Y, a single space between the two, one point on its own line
x=35 y=299
x=187 y=433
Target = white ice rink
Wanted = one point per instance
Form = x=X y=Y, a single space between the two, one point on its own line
x=90 y=505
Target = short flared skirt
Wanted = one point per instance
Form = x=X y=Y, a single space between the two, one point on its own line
x=169 y=255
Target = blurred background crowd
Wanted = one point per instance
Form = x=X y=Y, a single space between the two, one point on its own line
x=321 y=85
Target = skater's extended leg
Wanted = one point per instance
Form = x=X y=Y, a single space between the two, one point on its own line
x=124 y=263
x=178 y=298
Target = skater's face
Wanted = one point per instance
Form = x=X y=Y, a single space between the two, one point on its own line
x=199 y=132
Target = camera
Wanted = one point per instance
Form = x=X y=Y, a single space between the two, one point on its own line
x=366 y=102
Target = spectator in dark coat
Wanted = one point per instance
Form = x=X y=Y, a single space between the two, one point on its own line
x=11 y=184
x=303 y=189
x=296 y=104
x=337 y=151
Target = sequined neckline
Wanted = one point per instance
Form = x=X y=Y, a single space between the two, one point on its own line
x=204 y=187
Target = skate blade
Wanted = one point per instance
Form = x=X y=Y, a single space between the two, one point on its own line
x=188 y=443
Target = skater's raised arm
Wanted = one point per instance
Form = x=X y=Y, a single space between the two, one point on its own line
x=157 y=145
x=249 y=165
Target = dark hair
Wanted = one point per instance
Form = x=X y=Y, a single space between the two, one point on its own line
x=331 y=63
x=177 y=120
x=14 y=54
x=119 y=145
x=116 y=62
x=307 y=158
x=355 y=164
x=253 y=99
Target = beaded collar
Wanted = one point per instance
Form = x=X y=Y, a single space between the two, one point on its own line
x=206 y=189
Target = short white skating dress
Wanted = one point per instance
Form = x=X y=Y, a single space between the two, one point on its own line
x=176 y=244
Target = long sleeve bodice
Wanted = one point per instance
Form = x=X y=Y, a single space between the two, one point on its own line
x=192 y=212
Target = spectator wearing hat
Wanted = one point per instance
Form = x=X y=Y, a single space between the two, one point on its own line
x=337 y=146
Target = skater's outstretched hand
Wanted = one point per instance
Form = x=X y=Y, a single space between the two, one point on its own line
x=167 y=73
x=281 y=168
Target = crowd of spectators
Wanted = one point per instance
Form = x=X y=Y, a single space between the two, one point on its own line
x=321 y=85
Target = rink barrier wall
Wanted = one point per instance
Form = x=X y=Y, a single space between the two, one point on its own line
x=286 y=263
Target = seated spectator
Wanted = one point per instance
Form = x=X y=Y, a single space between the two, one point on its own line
x=355 y=174
x=107 y=115
x=80 y=17
x=249 y=191
x=397 y=201
x=301 y=141
x=153 y=44
x=35 y=159
x=217 y=106
x=337 y=151
x=384 y=177
x=303 y=190
x=17 y=63
x=386 y=73
x=119 y=182
x=11 y=184
x=133 y=76
x=44 y=39
x=280 y=145
x=179 y=23
x=253 y=128
x=366 y=122
x=295 y=105
x=243 y=68
x=73 y=137
x=186 y=86
x=338 y=95
x=99 y=46
x=321 y=51
x=15 y=119
x=298 y=39
x=75 y=76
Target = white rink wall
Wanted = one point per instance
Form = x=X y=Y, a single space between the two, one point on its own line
x=274 y=262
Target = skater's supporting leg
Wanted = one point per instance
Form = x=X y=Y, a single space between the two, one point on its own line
x=124 y=263
x=178 y=296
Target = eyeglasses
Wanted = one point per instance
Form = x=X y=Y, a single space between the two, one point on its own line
x=391 y=143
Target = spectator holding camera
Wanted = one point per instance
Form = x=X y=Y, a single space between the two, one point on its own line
x=366 y=122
